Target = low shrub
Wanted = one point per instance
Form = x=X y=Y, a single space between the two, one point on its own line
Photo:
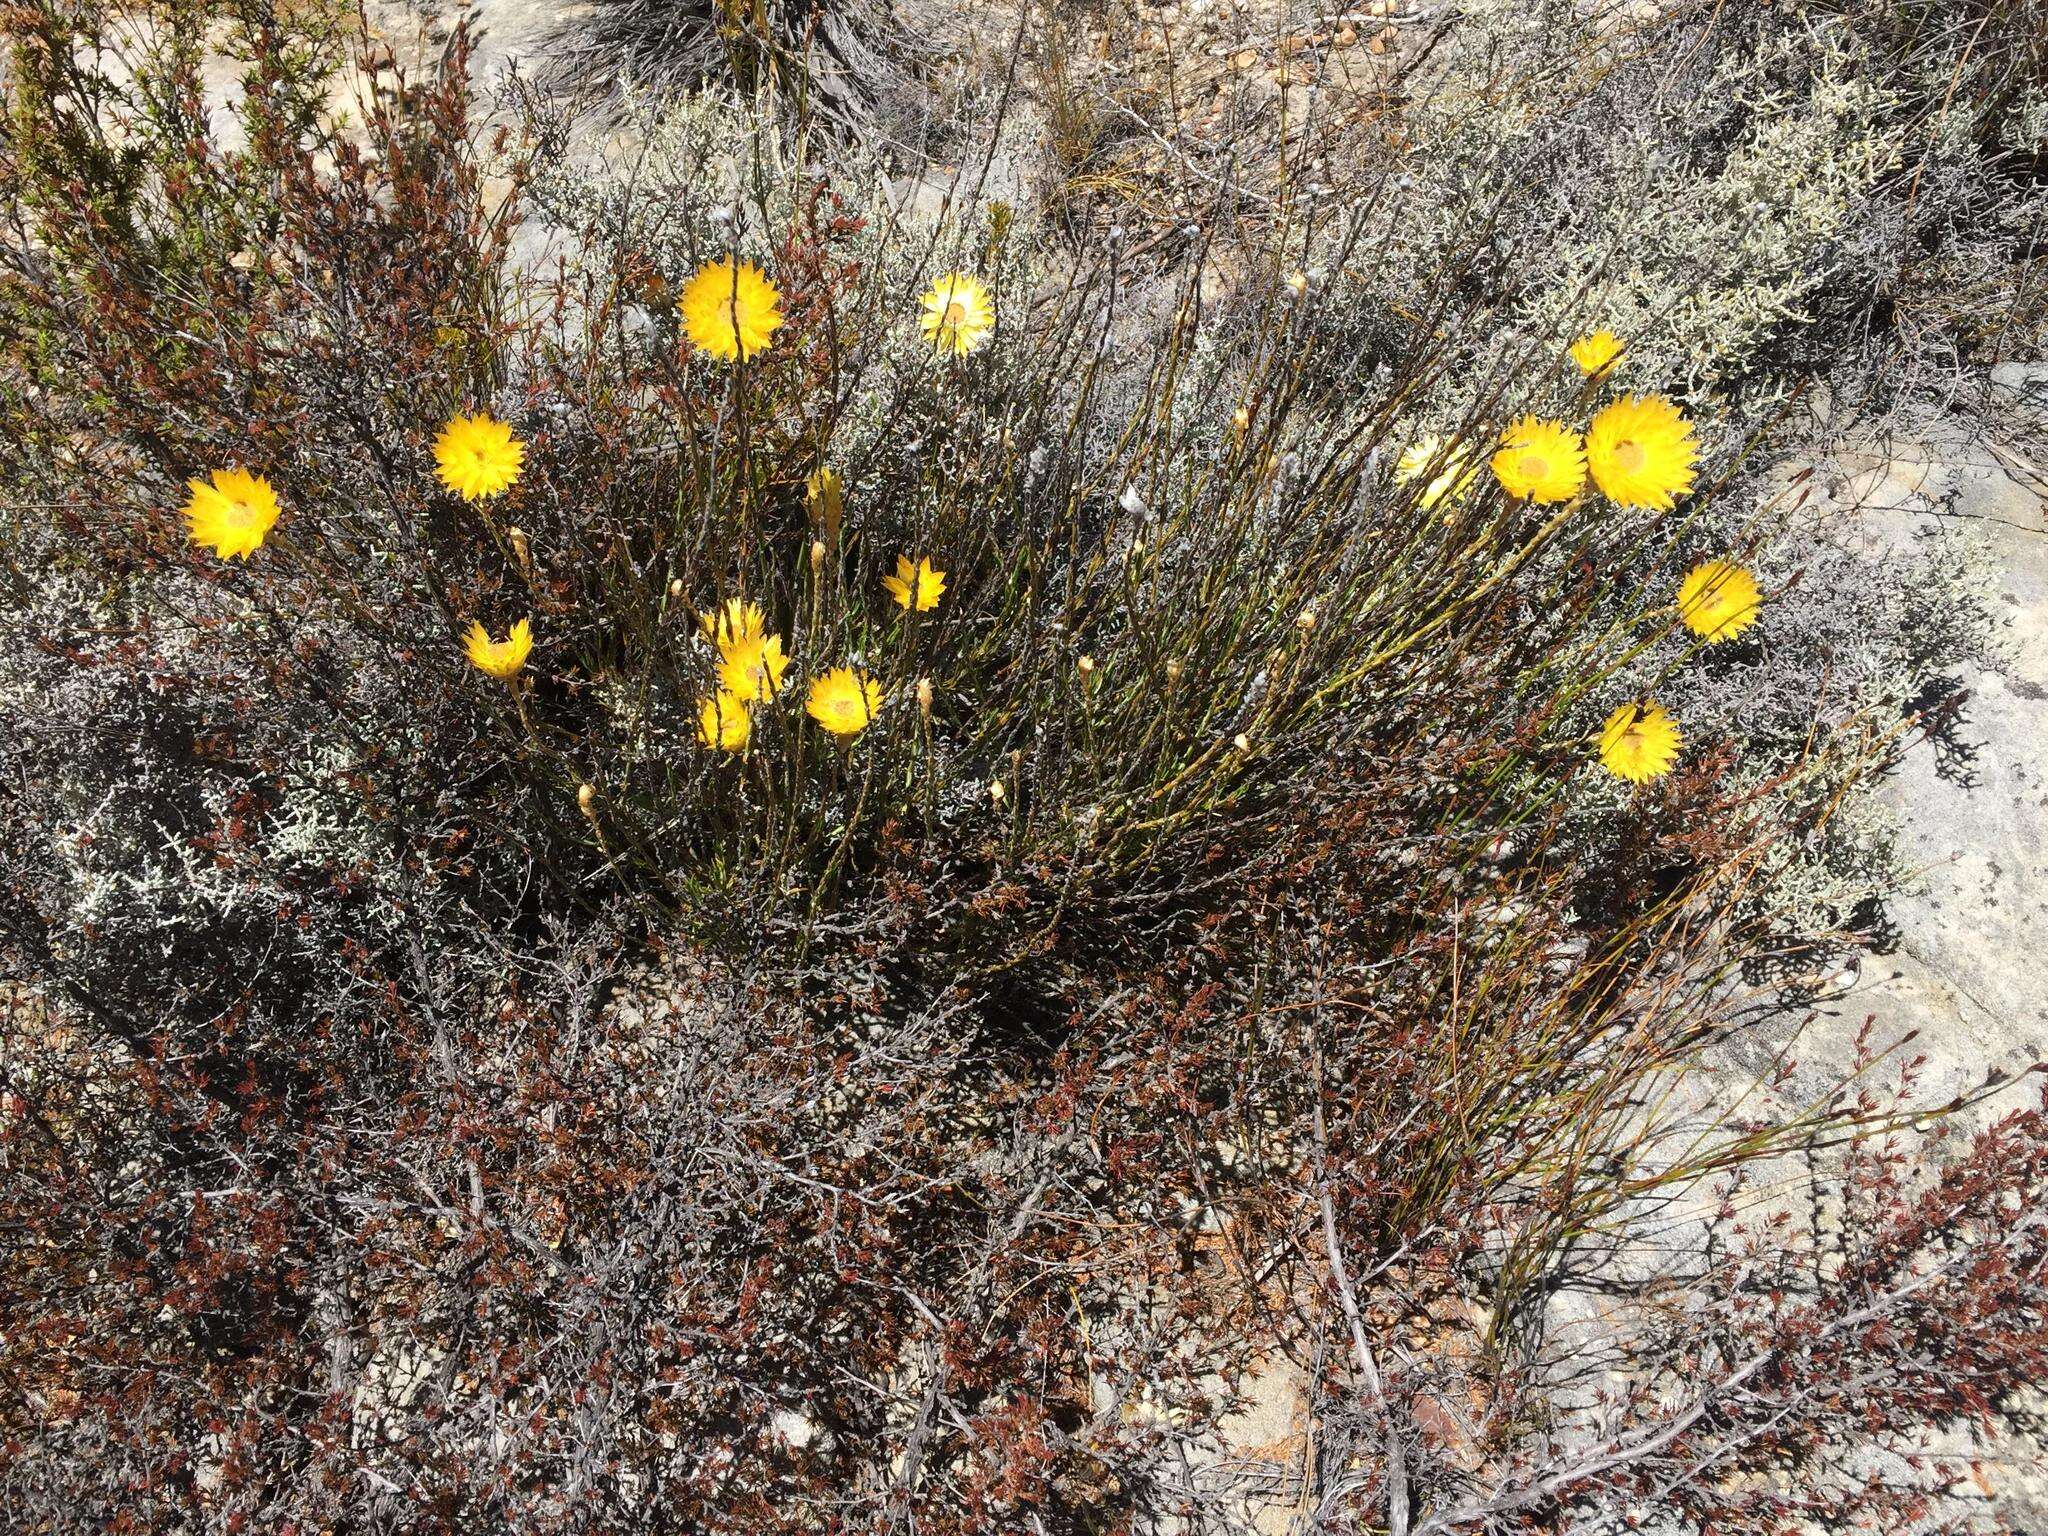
x=498 y=1042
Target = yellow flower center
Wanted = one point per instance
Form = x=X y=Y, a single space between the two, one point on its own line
x=956 y=313
x=1534 y=466
x=1629 y=456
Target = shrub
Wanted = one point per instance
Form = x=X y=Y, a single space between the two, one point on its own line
x=853 y=64
x=448 y=1099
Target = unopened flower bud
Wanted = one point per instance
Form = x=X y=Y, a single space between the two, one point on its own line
x=1242 y=742
x=1305 y=620
x=586 y=798
x=1173 y=671
x=1241 y=418
x=817 y=556
x=675 y=588
x=924 y=697
x=825 y=499
x=1087 y=665
x=516 y=537
x=995 y=790
x=1298 y=282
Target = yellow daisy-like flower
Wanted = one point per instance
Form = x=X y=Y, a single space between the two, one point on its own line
x=1597 y=354
x=1543 y=461
x=844 y=701
x=232 y=515
x=730 y=309
x=1639 y=742
x=825 y=498
x=502 y=659
x=1417 y=457
x=1641 y=452
x=958 y=315
x=1455 y=476
x=723 y=722
x=477 y=456
x=735 y=623
x=1718 y=601
x=752 y=669
x=918 y=586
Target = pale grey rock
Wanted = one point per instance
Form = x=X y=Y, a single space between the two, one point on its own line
x=1971 y=946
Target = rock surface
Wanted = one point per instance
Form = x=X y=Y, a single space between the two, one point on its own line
x=1972 y=937
x=1972 y=951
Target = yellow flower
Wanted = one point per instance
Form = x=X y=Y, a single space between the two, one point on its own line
x=734 y=624
x=730 y=309
x=1417 y=457
x=502 y=659
x=1641 y=452
x=958 y=316
x=723 y=722
x=231 y=516
x=825 y=498
x=1639 y=742
x=844 y=701
x=918 y=586
x=752 y=668
x=1540 y=461
x=1718 y=601
x=1597 y=354
x=1455 y=474
x=478 y=456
